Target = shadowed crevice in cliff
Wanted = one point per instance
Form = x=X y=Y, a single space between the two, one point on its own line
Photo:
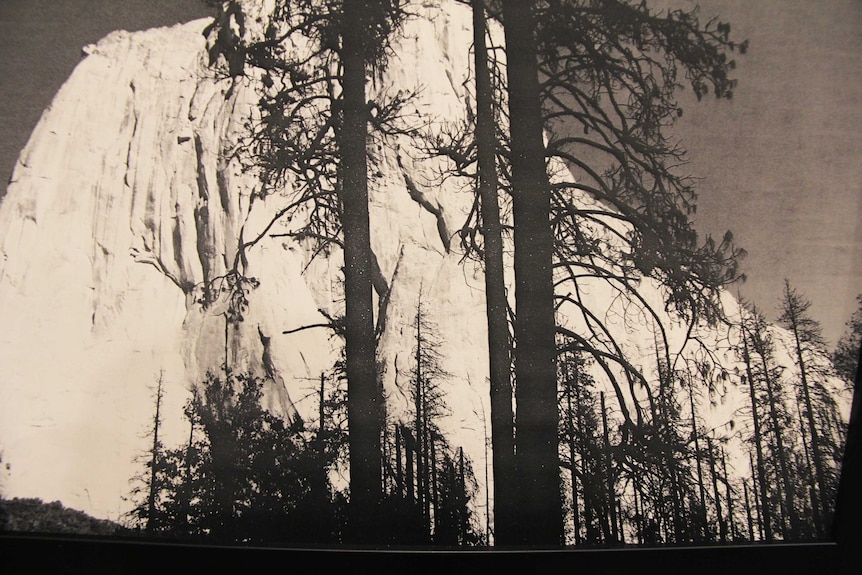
x=202 y=220
x=431 y=205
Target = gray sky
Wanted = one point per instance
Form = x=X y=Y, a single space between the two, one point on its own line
x=780 y=163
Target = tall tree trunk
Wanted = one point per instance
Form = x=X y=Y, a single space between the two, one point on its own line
x=781 y=454
x=586 y=484
x=409 y=449
x=540 y=502
x=704 y=521
x=820 y=507
x=154 y=460
x=722 y=526
x=609 y=472
x=748 y=511
x=365 y=398
x=754 y=492
x=499 y=356
x=729 y=497
x=758 y=443
x=570 y=432
x=812 y=493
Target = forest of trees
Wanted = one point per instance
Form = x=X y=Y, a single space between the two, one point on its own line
x=590 y=444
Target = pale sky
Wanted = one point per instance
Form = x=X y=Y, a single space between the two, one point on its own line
x=780 y=163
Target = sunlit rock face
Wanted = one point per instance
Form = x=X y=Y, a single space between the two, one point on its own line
x=123 y=219
x=127 y=211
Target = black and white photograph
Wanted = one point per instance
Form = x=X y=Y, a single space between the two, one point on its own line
x=430 y=275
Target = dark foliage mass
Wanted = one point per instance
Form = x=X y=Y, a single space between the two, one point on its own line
x=32 y=515
x=430 y=484
x=245 y=476
x=668 y=480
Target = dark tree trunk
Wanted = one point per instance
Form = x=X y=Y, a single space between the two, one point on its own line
x=499 y=356
x=703 y=530
x=819 y=506
x=399 y=468
x=748 y=512
x=539 y=503
x=781 y=455
x=154 y=460
x=609 y=473
x=586 y=483
x=754 y=492
x=409 y=449
x=365 y=398
x=812 y=493
x=570 y=432
x=758 y=444
x=722 y=526
x=729 y=497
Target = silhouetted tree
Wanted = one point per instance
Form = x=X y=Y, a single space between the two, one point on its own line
x=846 y=354
x=825 y=428
x=248 y=477
x=758 y=436
x=499 y=344
x=607 y=75
x=806 y=338
x=432 y=482
x=313 y=131
x=151 y=487
x=536 y=415
x=767 y=375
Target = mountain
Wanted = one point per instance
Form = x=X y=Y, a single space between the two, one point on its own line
x=136 y=201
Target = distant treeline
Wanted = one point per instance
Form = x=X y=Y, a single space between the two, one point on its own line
x=32 y=515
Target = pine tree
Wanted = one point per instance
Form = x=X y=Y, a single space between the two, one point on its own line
x=248 y=476
x=153 y=486
x=499 y=345
x=433 y=480
x=758 y=436
x=702 y=528
x=155 y=460
x=847 y=352
x=589 y=57
x=536 y=417
x=767 y=374
x=806 y=335
x=313 y=132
